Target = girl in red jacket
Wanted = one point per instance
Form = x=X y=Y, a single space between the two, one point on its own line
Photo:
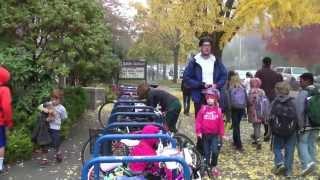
x=5 y=111
x=210 y=128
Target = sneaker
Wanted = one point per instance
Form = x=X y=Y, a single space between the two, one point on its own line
x=252 y=136
x=59 y=157
x=44 y=162
x=279 y=169
x=215 y=172
x=266 y=139
x=310 y=167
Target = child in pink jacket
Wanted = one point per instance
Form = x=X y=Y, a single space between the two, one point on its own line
x=146 y=147
x=210 y=128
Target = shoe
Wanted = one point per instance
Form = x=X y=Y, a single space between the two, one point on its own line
x=186 y=113
x=215 y=172
x=254 y=143
x=310 y=167
x=240 y=149
x=44 y=162
x=266 y=139
x=59 y=157
x=279 y=169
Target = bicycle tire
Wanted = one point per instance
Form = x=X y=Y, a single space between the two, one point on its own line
x=85 y=146
x=102 y=121
x=184 y=141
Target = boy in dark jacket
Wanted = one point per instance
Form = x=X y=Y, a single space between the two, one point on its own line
x=5 y=112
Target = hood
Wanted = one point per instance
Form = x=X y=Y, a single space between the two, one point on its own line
x=150 y=129
x=282 y=98
x=4 y=76
x=255 y=83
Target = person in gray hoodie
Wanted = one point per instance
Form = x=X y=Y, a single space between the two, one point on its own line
x=307 y=134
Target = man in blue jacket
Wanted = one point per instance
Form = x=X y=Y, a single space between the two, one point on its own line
x=204 y=71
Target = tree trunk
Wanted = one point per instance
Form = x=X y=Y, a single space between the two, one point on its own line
x=216 y=37
x=158 y=71
x=176 y=52
x=164 y=72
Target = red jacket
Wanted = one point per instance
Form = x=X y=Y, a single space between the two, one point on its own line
x=5 y=99
x=210 y=121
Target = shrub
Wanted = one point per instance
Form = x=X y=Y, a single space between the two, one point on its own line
x=25 y=115
x=19 y=145
x=75 y=101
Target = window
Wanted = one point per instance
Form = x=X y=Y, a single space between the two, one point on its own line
x=287 y=70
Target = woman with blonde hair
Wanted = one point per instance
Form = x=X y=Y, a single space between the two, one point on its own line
x=237 y=105
x=168 y=103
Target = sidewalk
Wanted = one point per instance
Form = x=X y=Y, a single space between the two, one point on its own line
x=69 y=169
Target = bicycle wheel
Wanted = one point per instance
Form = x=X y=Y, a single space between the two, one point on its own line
x=104 y=114
x=85 y=152
x=183 y=142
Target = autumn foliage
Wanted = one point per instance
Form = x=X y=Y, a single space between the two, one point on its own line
x=298 y=46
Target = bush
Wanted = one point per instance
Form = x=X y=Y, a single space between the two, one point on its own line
x=19 y=145
x=75 y=102
x=25 y=115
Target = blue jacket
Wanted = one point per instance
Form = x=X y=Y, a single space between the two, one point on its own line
x=193 y=77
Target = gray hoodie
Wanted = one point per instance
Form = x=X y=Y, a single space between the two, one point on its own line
x=300 y=104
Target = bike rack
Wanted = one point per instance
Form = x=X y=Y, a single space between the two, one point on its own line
x=110 y=137
x=128 y=159
x=133 y=124
x=156 y=117
x=122 y=108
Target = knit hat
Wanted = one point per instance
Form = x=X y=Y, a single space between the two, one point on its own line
x=4 y=76
x=212 y=91
x=255 y=83
x=282 y=88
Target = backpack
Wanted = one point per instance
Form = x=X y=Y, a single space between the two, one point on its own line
x=283 y=117
x=312 y=107
x=260 y=104
x=238 y=97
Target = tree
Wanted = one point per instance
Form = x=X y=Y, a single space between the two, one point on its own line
x=297 y=45
x=65 y=37
x=222 y=19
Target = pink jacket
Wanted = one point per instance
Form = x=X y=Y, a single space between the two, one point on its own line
x=210 y=121
x=146 y=147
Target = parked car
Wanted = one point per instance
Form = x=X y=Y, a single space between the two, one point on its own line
x=242 y=73
x=317 y=81
x=291 y=72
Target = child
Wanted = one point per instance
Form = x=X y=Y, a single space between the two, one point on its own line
x=56 y=115
x=307 y=105
x=146 y=147
x=169 y=103
x=210 y=128
x=237 y=105
x=5 y=112
x=257 y=109
x=283 y=125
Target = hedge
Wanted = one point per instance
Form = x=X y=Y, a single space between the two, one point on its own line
x=19 y=145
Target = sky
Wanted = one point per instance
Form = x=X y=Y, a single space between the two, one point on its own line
x=127 y=10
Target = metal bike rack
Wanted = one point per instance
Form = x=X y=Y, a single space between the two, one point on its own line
x=128 y=159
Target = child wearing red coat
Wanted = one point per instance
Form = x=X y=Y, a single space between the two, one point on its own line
x=5 y=111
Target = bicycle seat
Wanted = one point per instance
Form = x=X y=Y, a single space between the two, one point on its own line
x=130 y=142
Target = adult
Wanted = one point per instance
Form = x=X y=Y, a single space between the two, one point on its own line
x=203 y=71
x=269 y=79
x=168 y=103
x=5 y=112
x=186 y=95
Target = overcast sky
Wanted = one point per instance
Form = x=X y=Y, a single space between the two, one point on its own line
x=127 y=10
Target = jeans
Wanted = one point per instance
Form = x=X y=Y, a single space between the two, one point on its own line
x=288 y=144
x=236 y=116
x=186 y=102
x=307 y=147
x=211 y=149
x=256 y=131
